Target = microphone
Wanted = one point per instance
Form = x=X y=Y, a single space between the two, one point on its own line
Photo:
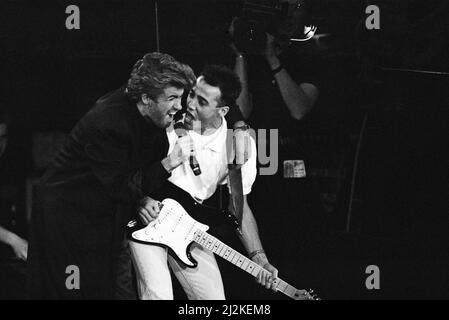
x=181 y=131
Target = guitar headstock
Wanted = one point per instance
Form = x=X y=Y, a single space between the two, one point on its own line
x=305 y=295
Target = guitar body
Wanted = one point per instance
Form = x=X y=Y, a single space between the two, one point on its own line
x=207 y=212
x=173 y=228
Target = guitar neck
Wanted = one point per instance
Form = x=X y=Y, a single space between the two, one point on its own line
x=219 y=248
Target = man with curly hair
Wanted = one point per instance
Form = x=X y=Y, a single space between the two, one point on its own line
x=115 y=155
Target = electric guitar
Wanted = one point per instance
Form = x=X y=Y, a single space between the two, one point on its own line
x=177 y=230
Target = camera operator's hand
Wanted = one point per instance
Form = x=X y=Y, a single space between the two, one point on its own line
x=271 y=52
x=231 y=34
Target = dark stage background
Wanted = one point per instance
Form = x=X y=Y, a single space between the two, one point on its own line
x=379 y=132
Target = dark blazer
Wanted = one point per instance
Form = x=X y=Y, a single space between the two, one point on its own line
x=110 y=160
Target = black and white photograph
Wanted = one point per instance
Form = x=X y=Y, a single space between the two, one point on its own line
x=245 y=150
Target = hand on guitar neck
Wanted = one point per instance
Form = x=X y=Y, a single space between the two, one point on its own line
x=268 y=274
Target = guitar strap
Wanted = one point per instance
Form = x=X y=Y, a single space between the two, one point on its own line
x=235 y=180
x=235 y=183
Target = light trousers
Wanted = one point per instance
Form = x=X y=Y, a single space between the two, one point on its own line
x=154 y=282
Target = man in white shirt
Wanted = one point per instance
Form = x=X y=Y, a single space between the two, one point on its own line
x=215 y=92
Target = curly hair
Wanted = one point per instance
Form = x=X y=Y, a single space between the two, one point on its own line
x=226 y=80
x=155 y=72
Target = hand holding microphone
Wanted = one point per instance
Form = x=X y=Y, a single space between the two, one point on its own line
x=181 y=131
x=180 y=153
x=183 y=150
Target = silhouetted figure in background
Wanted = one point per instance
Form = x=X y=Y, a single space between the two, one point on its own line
x=13 y=225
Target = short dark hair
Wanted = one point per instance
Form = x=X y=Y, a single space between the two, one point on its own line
x=226 y=80
x=155 y=72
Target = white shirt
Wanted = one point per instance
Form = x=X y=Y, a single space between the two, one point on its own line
x=212 y=158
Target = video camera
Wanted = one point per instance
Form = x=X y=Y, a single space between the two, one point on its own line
x=276 y=17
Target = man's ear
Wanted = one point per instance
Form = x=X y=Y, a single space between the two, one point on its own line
x=145 y=99
x=223 y=111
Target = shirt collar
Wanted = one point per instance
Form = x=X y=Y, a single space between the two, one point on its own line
x=216 y=142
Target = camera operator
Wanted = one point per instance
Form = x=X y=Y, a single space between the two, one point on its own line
x=282 y=72
x=280 y=88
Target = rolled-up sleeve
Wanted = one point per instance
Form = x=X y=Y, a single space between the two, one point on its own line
x=249 y=170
